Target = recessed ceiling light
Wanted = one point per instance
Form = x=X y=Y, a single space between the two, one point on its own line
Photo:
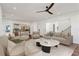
x=14 y=8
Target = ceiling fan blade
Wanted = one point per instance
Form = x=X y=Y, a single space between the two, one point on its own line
x=40 y=11
x=49 y=6
x=47 y=9
x=49 y=12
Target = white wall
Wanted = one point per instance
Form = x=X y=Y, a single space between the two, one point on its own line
x=75 y=28
x=1 y=24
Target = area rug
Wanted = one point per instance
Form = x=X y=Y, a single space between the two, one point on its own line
x=61 y=50
x=76 y=51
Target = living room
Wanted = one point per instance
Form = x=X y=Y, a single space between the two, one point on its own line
x=23 y=28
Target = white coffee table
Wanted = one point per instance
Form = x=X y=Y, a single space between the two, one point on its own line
x=46 y=44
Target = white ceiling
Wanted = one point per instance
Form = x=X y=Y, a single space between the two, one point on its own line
x=27 y=11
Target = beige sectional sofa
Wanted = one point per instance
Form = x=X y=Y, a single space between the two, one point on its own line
x=35 y=35
x=3 y=45
x=2 y=51
x=29 y=47
x=16 y=49
x=23 y=36
x=64 y=37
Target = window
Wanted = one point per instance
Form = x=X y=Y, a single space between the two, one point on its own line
x=51 y=27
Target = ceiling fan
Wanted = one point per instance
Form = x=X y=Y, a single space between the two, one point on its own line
x=47 y=9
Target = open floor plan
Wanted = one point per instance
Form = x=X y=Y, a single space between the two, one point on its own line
x=39 y=29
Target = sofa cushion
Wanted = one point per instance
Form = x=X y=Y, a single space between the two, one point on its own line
x=16 y=49
x=35 y=35
x=2 y=51
x=65 y=35
x=58 y=38
x=4 y=41
x=49 y=34
x=57 y=34
x=24 y=37
x=25 y=33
